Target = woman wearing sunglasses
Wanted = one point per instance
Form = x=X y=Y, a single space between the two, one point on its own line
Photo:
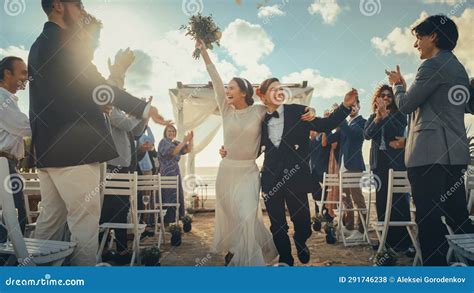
x=386 y=127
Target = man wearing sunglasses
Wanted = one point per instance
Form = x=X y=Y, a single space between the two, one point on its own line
x=70 y=135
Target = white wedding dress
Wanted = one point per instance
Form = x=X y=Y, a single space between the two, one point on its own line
x=239 y=227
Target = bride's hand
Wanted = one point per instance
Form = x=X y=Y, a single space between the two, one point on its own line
x=200 y=45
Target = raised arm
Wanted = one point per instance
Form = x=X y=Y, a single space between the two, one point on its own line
x=217 y=83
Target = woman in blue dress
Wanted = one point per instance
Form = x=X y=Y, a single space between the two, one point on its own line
x=169 y=153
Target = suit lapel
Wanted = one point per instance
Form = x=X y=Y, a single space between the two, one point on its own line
x=286 y=123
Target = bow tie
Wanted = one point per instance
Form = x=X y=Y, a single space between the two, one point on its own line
x=270 y=116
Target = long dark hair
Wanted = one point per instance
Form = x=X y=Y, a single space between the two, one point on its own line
x=246 y=87
x=393 y=107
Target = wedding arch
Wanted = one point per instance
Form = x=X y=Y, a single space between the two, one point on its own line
x=194 y=108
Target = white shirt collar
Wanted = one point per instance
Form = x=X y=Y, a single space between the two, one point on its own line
x=352 y=119
x=8 y=95
x=279 y=110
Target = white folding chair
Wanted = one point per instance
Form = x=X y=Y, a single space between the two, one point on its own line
x=123 y=185
x=397 y=183
x=151 y=183
x=170 y=182
x=31 y=187
x=329 y=180
x=470 y=189
x=352 y=180
x=26 y=251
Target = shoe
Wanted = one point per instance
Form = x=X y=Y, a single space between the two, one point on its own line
x=123 y=259
x=303 y=253
x=410 y=252
x=356 y=235
x=109 y=256
x=228 y=258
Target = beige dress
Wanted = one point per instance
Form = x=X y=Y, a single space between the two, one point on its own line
x=239 y=227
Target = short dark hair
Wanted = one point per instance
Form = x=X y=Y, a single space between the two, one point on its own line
x=266 y=84
x=446 y=31
x=7 y=64
x=47 y=6
x=246 y=87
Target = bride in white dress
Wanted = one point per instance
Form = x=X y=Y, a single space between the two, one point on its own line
x=239 y=229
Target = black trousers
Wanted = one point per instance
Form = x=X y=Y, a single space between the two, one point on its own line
x=18 y=199
x=115 y=210
x=317 y=190
x=397 y=237
x=298 y=208
x=438 y=190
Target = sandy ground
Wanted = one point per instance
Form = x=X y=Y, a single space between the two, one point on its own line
x=194 y=250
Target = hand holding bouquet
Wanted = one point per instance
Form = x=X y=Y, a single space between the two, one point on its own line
x=203 y=28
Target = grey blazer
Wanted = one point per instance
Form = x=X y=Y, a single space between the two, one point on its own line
x=122 y=124
x=436 y=130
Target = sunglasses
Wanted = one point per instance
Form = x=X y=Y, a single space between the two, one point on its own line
x=386 y=95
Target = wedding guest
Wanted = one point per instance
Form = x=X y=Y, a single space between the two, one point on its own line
x=319 y=149
x=169 y=153
x=319 y=162
x=66 y=110
x=14 y=126
x=351 y=138
x=384 y=126
x=146 y=166
x=437 y=151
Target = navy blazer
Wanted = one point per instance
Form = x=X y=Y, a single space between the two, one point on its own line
x=394 y=125
x=67 y=123
x=351 y=139
x=288 y=165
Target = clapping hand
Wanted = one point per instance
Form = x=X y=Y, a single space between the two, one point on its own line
x=382 y=111
x=123 y=61
x=189 y=137
x=396 y=77
x=398 y=143
x=351 y=98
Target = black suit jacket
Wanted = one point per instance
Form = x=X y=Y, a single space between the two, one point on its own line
x=68 y=126
x=394 y=125
x=287 y=167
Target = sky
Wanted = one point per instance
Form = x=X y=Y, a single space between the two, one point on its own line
x=332 y=44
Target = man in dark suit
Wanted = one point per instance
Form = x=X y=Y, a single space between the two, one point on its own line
x=286 y=177
x=70 y=136
x=351 y=138
x=437 y=150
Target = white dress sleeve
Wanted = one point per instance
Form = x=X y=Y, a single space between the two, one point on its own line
x=219 y=89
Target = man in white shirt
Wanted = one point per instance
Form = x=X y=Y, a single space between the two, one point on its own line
x=14 y=125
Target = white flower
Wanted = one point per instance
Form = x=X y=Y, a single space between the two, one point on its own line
x=297 y=147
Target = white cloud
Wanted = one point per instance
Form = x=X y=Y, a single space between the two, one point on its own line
x=247 y=44
x=324 y=87
x=270 y=11
x=328 y=9
x=466 y=39
x=14 y=51
x=399 y=40
x=448 y=2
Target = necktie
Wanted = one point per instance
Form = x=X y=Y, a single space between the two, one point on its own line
x=272 y=115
